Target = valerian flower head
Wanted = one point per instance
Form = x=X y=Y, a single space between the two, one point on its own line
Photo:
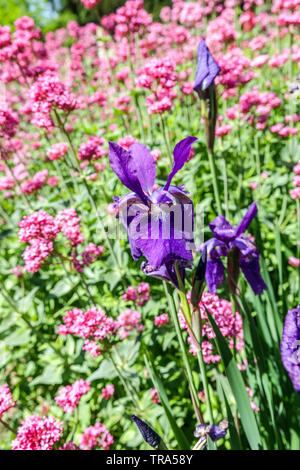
x=290 y=346
x=150 y=436
x=241 y=252
x=207 y=68
x=159 y=223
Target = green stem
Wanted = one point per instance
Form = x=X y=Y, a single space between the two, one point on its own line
x=186 y=362
x=166 y=139
x=134 y=401
x=212 y=164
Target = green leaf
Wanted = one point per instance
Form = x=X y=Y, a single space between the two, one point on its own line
x=51 y=375
x=178 y=433
x=105 y=371
x=238 y=388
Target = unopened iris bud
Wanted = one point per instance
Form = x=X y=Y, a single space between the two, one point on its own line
x=198 y=283
x=150 y=436
x=207 y=70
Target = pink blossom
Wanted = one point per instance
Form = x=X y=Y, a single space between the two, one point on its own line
x=295 y=262
x=154 y=395
x=17 y=271
x=162 y=319
x=69 y=396
x=96 y=436
x=6 y=399
x=57 y=150
x=127 y=321
x=38 y=433
x=231 y=326
x=108 y=391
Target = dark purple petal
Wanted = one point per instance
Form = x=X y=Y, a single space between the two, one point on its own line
x=181 y=153
x=222 y=230
x=214 y=275
x=247 y=219
x=207 y=68
x=251 y=270
x=123 y=164
x=166 y=272
x=290 y=346
x=245 y=246
x=145 y=166
x=150 y=436
x=215 y=432
x=159 y=252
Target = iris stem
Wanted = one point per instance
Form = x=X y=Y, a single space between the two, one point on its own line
x=187 y=366
x=212 y=164
x=166 y=139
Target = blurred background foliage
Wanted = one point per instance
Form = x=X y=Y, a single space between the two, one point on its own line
x=52 y=14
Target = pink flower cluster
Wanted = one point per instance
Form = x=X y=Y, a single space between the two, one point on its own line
x=252 y=403
x=107 y=391
x=162 y=319
x=96 y=436
x=154 y=395
x=57 y=150
x=90 y=3
x=69 y=224
x=38 y=433
x=6 y=399
x=255 y=107
x=9 y=120
x=88 y=256
x=34 y=184
x=231 y=326
x=130 y=18
x=69 y=396
x=92 y=149
x=159 y=76
x=48 y=93
x=235 y=70
x=127 y=141
x=139 y=294
x=128 y=321
x=295 y=192
x=40 y=229
x=93 y=325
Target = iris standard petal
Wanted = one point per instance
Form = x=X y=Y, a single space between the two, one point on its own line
x=222 y=230
x=145 y=166
x=290 y=346
x=247 y=219
x=181 y=153
x=123 y=164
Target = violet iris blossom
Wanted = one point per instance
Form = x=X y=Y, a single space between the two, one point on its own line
x=153 y=230
x=226 y=239
x=207 y=68
x=290 y=346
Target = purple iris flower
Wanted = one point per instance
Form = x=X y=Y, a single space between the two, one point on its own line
x=159 y=223
x=227 y=240
x=207 y=68
x=290 y=346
